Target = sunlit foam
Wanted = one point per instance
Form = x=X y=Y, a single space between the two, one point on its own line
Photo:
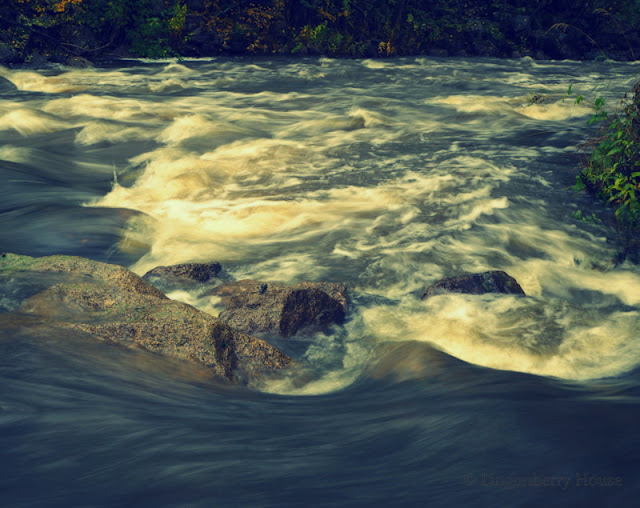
x=85 y=105
x=15 y=153
x=195 y=217
x=555 y=111
x=35 y=82
x=167 y=85
x=199 y=126
x=97 y=132
x=519 y=334
x=395 y=191
x=208 y=304
x=176 y=68
x=27 y=122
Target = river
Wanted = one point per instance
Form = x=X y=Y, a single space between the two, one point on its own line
x=384 y=174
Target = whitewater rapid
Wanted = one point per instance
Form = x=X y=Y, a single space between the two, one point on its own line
x=386 y=175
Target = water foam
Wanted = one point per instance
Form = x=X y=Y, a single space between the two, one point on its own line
x=27 y=122
x=520 y=334
x=322 y=168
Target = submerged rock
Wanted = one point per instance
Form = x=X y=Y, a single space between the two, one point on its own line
x=476 y=284
x=6 y=86
x=111 y=303
x=183 y=276
x=260 y=307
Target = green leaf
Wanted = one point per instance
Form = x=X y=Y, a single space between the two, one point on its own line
x=579 y=185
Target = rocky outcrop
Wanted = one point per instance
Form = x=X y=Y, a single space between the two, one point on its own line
x=183 y=276
x=475 y=284
x=258 y=307
x=111 y=303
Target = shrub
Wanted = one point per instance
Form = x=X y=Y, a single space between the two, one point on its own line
x=612 y=171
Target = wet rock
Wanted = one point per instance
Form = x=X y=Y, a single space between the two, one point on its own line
x=78 y=62
x=8 y=55
x=485 y=48
x=38 y=60
x=7 y=86
x=476 y=284
x=113 y=304
x=258 y=307
x=183 y=276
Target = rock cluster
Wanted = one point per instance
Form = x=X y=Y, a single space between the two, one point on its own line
x=111 y=303
x=258 y=307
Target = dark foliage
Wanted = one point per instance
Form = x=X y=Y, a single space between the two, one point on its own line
x=59 y=29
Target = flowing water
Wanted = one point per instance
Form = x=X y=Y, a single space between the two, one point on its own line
x=386 y=175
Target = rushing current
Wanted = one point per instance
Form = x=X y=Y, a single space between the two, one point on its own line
x=387 y=175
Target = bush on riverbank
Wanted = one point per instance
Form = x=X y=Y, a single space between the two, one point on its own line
x=612 y=171
x=57 y=29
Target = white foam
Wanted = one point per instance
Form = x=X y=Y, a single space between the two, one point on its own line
x=357 y=178
x=167 y=85
x=105 y=107
x=199 y=126
x=511 y=333
x=27 y=122
x=374 y=64
x=208 y=304
x=97 y=132
x=15 y=153
x=35 y=82
x=555 y=111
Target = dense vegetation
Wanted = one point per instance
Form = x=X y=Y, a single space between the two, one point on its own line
x=612 y=168
x=60 y=29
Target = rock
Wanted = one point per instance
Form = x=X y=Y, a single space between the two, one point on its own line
x=37 y=60
x=113 y=304
x=258 y=307
x=183 y=276
x=78 y=62
x=485 y=48
x=7 y=86
x=8 y=54
x=475 y=284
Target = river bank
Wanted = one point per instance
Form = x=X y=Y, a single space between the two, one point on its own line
x=77 y=32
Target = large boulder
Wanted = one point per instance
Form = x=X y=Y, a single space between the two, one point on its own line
x=111 y=303
x=475 y=284
x=258 y=307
